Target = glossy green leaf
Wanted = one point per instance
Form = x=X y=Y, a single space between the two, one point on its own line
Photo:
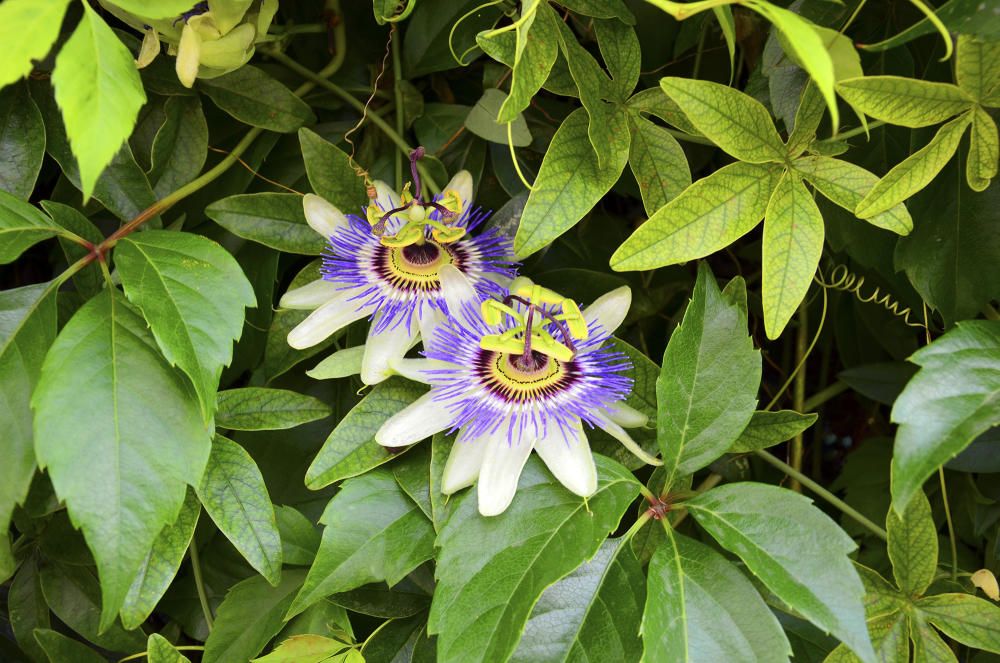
x=594 y=86
x=482 y=121
x=491 y=571
x=711 y=214
x=593 y=614
x=425 y=49
x=621 y=52
x=374 y=533
x=27 y=30
x=180 y=147
x=161 y=564
x=305 y=649
x=734 y=121
x=908 y=102
x=234 y=495
x=767 y=429
x=532 y=67
x=120 y=465
x=601 y=9
x=339 y=364
x=984 y=151
x=700 y=608
x=192 y=292
x=330 y=173
x=846 y=185
x=658 y=164
x=299 y=536
x=255 y=98
x=21 y=225
x=967 y=619
x=707 y=389
x=351 y=448
x=793 y=243
x=977 y=70
x=261 y=408
x=394 y=640
x=27 y=610
x=795 y=549
x=60 y=648
x=250 y=615
x=569 y=183
x=98 y=89
x=22 y=140
x=27 y=329
x=915 y=172
x=272 y=219
x=161 y=651
x=913 y=545
x=951 y=400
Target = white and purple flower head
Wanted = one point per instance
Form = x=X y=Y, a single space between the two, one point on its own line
x=387 y=267
x=515 y=374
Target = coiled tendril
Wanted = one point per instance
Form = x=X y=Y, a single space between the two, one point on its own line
x=844 y=280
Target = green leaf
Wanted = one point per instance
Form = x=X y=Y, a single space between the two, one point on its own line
x=351 y=448
x=928 y=647
x=305 y=649
x=330 y=172
x=60 y=648
x=915 y=172
x=249 y=616
x=161 y=564
x=180 y=147
x=707 y=389
x=159 y=650
x=846 y=185
x=593 y=614
x=767 y=429
x=977 y=70
x=658 y=164
x=21 y=226
x=795 y=549
x=734 y=121
x=482 y=120
x=27 y=30
x=600 y=9
x=793 y=243
x=22 y=139
x=119 y=465
x=700 y=608
x=491 y=571
x=192 y=292
x=395 y=640
x=340 y=364
x=711 y=214
x=261 y=408
x=98 y=89
x=426 y=47
x=272 y=219
x=967 y=619
x=373 y=533
x=161 y=9
x=253 y=97
x=620 y=50
x=569 y=182
x=951 y=400
x=904 y=101
x=656 y=102
x=413 y=474
x=299 y=537
x=27 y=610
x=913 y=545
x=984 y=150
x=27 y=329
x=961 y=16
x=533 y=63
x=807 y=118
x=234 y=495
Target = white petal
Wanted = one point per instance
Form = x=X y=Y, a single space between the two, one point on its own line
x=626 y=416
x=430 y=320
x=501 y=471
x=188 y=56
x=312 y=295
x=610 y=309
x=569 y=459
x=386 y=196
x=321 y=216
x=416 y=369
x=464 y=463
x=617 y=432
x=149 y=50
x=341 y=364
x=461 y=183
x=418 y=420
x=324 y=321
x=457 y=290
x=383 y=348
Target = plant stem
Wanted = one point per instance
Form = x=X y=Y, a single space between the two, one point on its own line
x=822 y=492
x=710 y=482
x=799 y=388
x=856 y=131
x=199 y=584
x=824 y=395
x=397 y=76
x=802 y=361
x=144 y=654
x=951 y=526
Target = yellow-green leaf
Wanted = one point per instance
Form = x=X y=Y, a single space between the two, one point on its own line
x=977 y=68
x=734 y=121
x=984 y=149
x=913 y=545
x=968 y=619
x=99 y=92
x=658 y=164
x=793 y=242
x=807 y=119
x=904 y=101
x=711 y=214
x=27 y=30
x=535 y=53
x=915 y=172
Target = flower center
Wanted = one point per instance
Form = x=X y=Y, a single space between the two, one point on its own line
x=416 y=266
x=521 y=378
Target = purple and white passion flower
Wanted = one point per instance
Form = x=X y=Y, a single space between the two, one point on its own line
x=514 y=374
x=387 y=266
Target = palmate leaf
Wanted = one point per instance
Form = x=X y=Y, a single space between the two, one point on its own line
x=904 y=101
x=658 y=163
x=984 y=151
x=913 y=545
x=59 y=647
x=968 y=619
x=953 y=398
x=120 y=433
x=491 y=571
x=482 y=121
x=621 y=52
x=161 y=651
x=180 y=147
x=535 y=52
x=977 y=68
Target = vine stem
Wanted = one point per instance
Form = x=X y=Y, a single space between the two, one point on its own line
x=824 y=395
x=951 y=526
x=840 y=504
x=856 y=131
x=144 y=654
x=199 y=584
x=799 y=388
x=805 y=355
x=397 y=77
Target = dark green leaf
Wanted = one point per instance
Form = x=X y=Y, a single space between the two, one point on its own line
x=27 y=610
x=254 y=98
x=22 y=140
x=272 y=219
x=426 y=46
x=180 y=146
x=330 y=173
x=767 y=429
x=482 y=121
x=21 y=225
x=260 y=408
x=88 y=280
x=299 y=537
x=601 y=9
x=61 y=649
x=161 y=651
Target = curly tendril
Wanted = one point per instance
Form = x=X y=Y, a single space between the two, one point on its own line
x=844 y=280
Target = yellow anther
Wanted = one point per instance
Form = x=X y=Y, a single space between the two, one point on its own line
x=551 y=347
x=374 y=213
x=408 y=234
x=497 y=343
x=449 y=234
x=573 y=318
x=452 y=201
